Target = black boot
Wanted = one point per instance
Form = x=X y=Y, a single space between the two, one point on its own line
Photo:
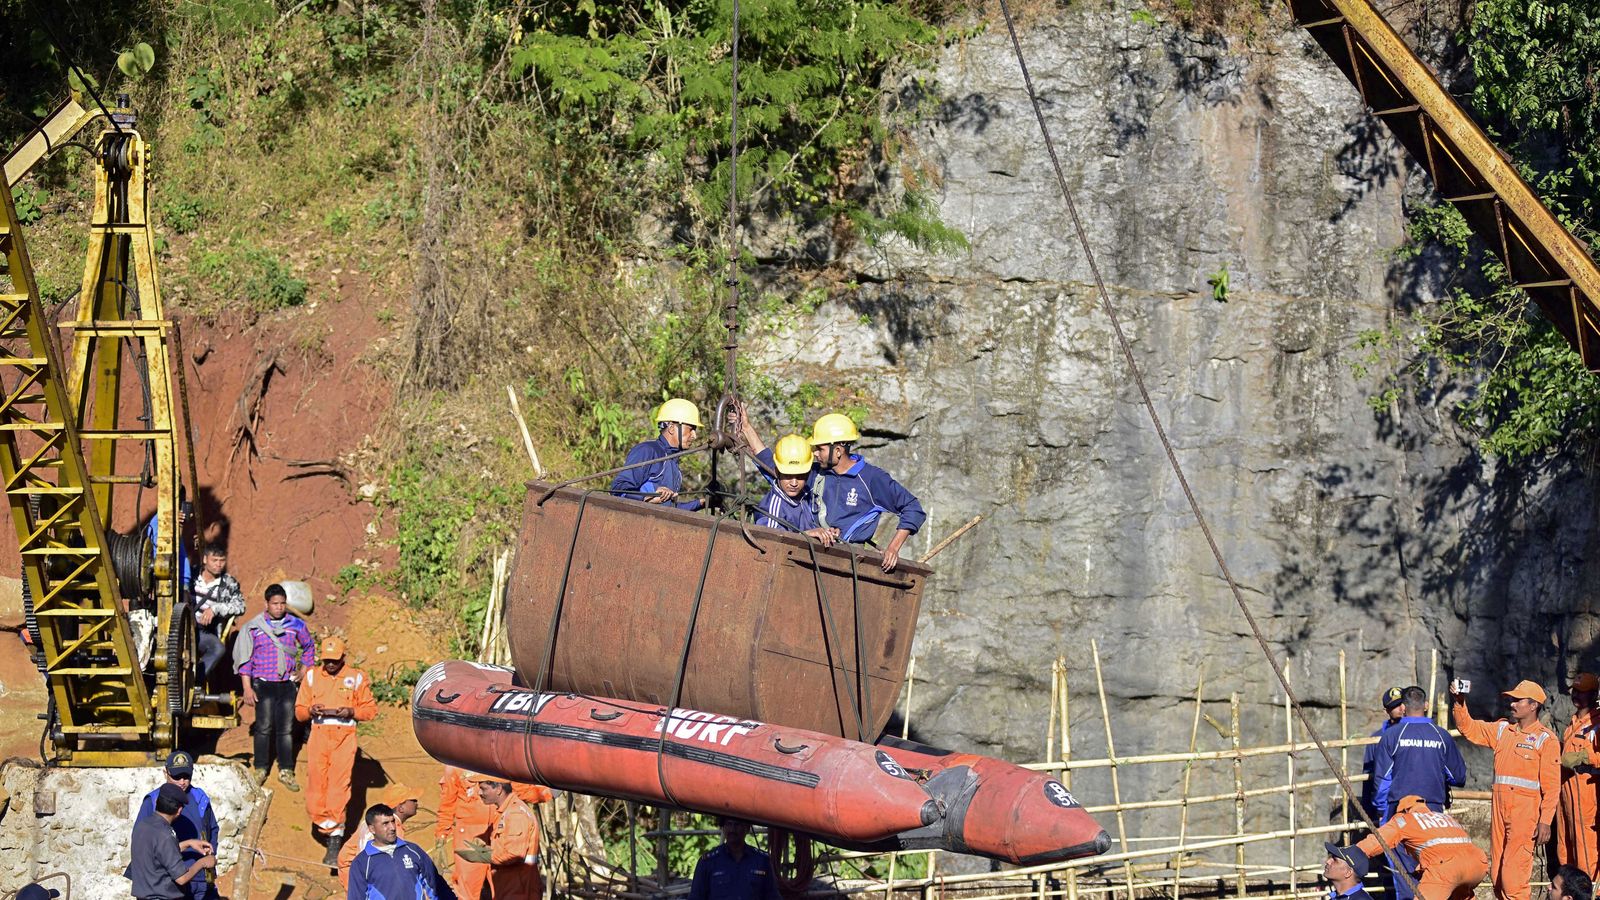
x=331 y=858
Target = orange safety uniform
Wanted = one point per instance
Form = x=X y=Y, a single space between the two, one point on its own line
x=1577 y=843
x=331 y=749
x=1449 y=865
x=514 y=868
x=465 y=817
x=1527 y=781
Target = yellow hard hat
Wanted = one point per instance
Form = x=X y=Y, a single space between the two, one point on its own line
x=834 y=428
x=678 y=410
x=792 y=454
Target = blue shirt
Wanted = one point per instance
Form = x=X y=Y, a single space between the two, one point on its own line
x=779 y=510
x=639 y=483
x=1356 y=893
x=853 y=501
x=1416 y=756
x=405 y=874
x=196 y=820
x=719 y=876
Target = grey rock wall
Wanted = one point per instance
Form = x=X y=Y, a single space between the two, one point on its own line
x=998 y=389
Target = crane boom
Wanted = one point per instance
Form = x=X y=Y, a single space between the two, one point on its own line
x=65 y=121
x=1540 y=255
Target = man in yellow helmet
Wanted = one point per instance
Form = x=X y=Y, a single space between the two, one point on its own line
x=677 y=424
x=850 y=493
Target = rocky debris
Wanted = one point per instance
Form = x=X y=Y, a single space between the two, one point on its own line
x=999 y=390
x=79 y=820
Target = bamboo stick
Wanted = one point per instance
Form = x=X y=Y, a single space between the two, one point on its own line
x=1268 y=791
x=1065 y=774
x=911 y=682
x=1288 y=738
x=527 y=440
x=1433 y=680
x=1270 y=750
x=1344 y=732
x=939 y=547
x=1111 y=753
x=1238 y=786
x=1183 y=815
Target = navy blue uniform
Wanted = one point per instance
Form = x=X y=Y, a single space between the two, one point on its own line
x=639 y=483
x=778 y=510
x=1416 y=756
x=852 y=502
x=196 y=820
x=1356 y=893
x=1369 y=765
x=719 y=876
x=404 y=874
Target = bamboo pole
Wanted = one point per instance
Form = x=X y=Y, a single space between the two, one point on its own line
x=1238 y=786
x=1294 y=798
x=1111 y=754
x=939 y=547
x=911 y=682
x=527 y=440
x=1270 y=750
x=1433 y=681
x=1063 y=773
x=1344 y=732
x=1183 y=815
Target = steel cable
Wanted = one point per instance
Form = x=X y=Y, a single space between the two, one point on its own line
x=1126 y=349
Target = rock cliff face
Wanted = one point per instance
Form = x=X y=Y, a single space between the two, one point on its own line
x=1000 y=391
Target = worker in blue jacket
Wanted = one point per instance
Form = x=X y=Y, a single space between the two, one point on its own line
x=790 y=504
x=677 y=423
x=852 y=493
x=392 y=868
x=1416 y=756
x=1394 y=707
x=197 y=819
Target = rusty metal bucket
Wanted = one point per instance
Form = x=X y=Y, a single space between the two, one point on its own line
x=774 y=635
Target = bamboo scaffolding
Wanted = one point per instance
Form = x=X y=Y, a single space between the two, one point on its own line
x=1111 y=753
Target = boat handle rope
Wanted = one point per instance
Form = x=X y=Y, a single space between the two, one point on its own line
x=781 y=747
x=1126 y=349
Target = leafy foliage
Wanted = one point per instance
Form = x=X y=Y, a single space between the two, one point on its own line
x=654 y=81
x=1535 y=90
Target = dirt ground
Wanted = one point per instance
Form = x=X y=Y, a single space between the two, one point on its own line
x=319 y=404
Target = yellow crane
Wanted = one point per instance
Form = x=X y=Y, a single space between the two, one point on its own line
x=1540 y=255
x=81 y=440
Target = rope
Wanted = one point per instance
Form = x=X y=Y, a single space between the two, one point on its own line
x=683 y=664
x=731 y=308
x=697 y=448
x=1126 y=349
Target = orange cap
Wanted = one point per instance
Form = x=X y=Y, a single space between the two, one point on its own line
x=396 y=794
x=333 y=648
x=1586 y=681
x=480 y=778
x=1409 y=801
x=1527 y=690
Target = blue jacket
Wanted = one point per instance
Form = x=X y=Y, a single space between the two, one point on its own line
x=405 y=874
x=852 y=502
x=1416 y=756
x=1369 y=765
x=778 y=510
x=718 y=876
x=196 y=820
x=639 y=483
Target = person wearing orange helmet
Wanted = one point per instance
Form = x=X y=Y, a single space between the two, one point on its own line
x=333 y=698
x=1449 y=865
x=652 y=472
x=403 y=800
x=1527 y=781
x=1576 y=841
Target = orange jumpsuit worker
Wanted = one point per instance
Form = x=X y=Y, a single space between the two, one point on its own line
x=333 y=698
x=1576 y=843
x=513 y=848
x=1527 y=780
x=403 y=800
x=464 y=818
x=1449 y=865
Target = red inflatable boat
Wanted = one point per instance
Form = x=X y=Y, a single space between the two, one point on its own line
x=475 y=717
x=994 y=809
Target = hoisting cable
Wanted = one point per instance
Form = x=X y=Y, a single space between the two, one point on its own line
x=697 y=448
x=1126 y=349
x=73 y=66
x=721 y=439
